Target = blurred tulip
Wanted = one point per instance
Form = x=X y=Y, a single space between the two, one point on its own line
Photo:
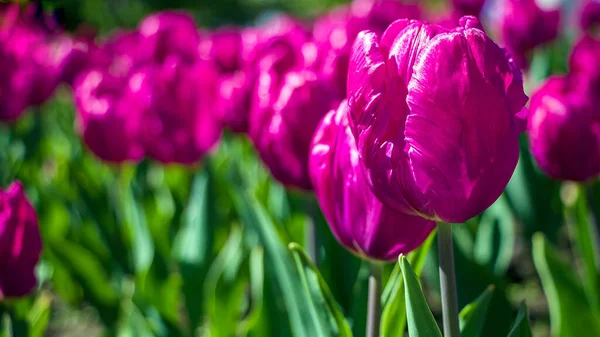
x=168 y=33
x=356 y=217
x=32 y=60
x=233 y=101
x=416 y=98
x=20 y=243
x=277 y=47
x=584 y=64
x=468 y=7
x=283 y=119
x=110 y=111
x=564 y=130
x=525 y=26
x=224 y=47
x=180 y=125
x=590 y=15
x=335 y=32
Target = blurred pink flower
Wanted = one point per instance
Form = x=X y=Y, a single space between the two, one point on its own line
x=20 y=243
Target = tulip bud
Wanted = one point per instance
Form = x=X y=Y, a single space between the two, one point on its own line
x=590 y=16
x=525 y=26
x=20 y=243
x=358 y=220
x=166 y=33
x=284 y=116
x=180 y=125
x=416 y=98
x=233 y=101
x=584 y=63
x=564 y=131
x=224 y=47
x=110 y=111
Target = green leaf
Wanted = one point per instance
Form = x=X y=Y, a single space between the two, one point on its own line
x=225 y=286
x=135 y=219
x=193 y=244
x=393 y=318
x=421 y=322
x=579 y=214
x=534 y=198
x=254 y=216
x=85 y=268
x=257 y=270
x=472 y=317
x=319 y=293
x=569 y=307
x=495 y=241
x=521 y=326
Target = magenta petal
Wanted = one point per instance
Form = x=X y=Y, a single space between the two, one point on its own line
x=461 y=135
x=564 y=131
x=20 y=243
x=357 y=218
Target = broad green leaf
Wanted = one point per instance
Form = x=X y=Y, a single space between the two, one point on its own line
x=472 y=317
x=585 y=233
x=85 y=268
x=569 y=307
x=193 y=244
x=135 y=219
x=494 y=244
x=254 y=216
x=319 y=293
x=421 y=322
x=257 y=285
x=393 y=318
x=521 y=326
x=225 y=286
x=534 y=198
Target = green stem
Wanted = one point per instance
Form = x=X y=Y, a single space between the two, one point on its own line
x=448 y=281
x=374 y=304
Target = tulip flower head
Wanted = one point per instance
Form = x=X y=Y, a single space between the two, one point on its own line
x=584 y=63
x=283 y=119
x=33 y=58
x=436 y=114
x=564 y=130
x=525 y=26
x=358 y=220
x=590 y=16
x=20 y=243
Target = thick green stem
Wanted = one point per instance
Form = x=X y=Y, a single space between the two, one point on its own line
x=448 y=281
x=374 y=305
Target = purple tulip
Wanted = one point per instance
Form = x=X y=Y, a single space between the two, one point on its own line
x=564 y=130
x=335 y=32
x=168 y=33
x=233 y=101
x=277 y=47
x=468 y=7
x=416 y=97
x=110 y=114
x=526 y=26
x=283 y=119
x=20 y=243
x=590 y=15
x=224 y=46
x=33 y=59
x=181 y=125
x=584 y=63
x=356 y=217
